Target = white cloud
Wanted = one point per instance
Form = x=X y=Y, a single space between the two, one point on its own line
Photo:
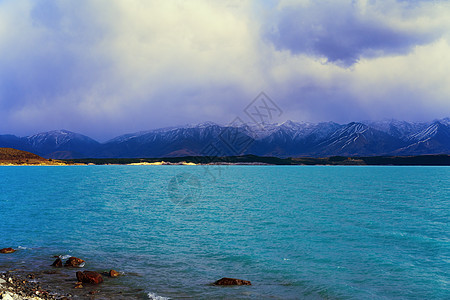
x=108 y=67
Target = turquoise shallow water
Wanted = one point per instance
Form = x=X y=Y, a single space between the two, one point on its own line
x=296 y=232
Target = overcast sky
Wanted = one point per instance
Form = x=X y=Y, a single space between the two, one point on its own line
x=108 y=67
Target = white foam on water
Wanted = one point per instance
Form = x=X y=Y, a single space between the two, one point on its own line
x=22 y=248
x=65 y=256
x=153 y=296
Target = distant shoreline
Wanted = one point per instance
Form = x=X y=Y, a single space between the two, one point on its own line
x=420 y=160
x=14 y=157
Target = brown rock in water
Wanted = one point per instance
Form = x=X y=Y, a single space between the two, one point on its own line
x=73 y=262
x=7 y=250
x=89 y=277
x=113 y=273
x=232 y=281
x=57 y=263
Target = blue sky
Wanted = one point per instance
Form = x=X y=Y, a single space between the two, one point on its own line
x=107 y=67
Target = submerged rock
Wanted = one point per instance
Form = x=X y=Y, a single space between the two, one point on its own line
x=57 y=263
x=89 y=277
x=74 y=262
x=113 y=273
x=7 y=250
x=232 y=281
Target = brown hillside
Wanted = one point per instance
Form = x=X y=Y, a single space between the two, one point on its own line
x=14 y=154
x=10 y=156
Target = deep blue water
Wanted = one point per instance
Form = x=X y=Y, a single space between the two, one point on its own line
x=296 y=232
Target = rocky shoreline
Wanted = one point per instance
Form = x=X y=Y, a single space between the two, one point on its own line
x=19 y=285
x=16 y=287
x=66 y=279
x=59 y=281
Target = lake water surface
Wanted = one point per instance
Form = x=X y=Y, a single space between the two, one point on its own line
x=296 y=232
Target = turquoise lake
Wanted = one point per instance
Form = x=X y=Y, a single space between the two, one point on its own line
x=296 y=232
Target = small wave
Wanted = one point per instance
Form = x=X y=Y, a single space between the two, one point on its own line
x=65 y=256
x=22 y=248
x=154 y=296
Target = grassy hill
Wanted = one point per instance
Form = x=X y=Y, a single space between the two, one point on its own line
x=10 y=156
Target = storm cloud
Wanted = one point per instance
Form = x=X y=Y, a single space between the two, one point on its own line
x=345 y=31
x=104 y=68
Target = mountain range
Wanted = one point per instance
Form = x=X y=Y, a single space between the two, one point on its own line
x=288 y=139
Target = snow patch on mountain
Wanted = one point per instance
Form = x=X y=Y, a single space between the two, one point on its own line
x=57 y=137
x=427 y=133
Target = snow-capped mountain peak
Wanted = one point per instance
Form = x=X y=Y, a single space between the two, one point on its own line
x=45 y=143
x=388 y=137
x=57 y=137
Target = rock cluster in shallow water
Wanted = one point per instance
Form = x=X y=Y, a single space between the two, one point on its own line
x=15 y=287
